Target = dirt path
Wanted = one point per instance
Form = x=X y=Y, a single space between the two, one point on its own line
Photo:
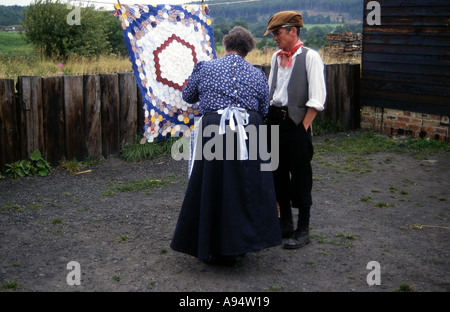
x=384 y=207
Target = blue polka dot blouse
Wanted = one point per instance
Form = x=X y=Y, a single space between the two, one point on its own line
x=227 y=81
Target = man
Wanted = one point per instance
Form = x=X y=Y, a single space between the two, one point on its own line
x=297 y=93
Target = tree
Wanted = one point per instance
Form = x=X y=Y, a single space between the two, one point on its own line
x=46 y=27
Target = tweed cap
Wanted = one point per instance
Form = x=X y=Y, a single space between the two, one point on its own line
x=284 y=18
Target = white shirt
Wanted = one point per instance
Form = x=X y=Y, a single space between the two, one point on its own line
x=314 y=68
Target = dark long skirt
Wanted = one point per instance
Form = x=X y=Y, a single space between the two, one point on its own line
x=229 y=207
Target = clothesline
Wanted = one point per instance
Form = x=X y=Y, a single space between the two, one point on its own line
x=158 y=2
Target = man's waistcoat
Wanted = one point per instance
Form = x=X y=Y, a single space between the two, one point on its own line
x=298 y=94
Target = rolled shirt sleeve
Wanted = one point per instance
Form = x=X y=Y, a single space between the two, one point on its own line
x=316 y=80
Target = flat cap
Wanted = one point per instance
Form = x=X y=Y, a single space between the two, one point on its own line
x=284 y=18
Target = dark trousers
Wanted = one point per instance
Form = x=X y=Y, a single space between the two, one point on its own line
x=293 y=177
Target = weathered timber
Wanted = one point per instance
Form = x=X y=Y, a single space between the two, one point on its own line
x=128 y=109
x=9 y=127
x=30 y=115
x=92 y=116
x=54 y=125
x=109 y=84
x=74 y=117
x=406 y=59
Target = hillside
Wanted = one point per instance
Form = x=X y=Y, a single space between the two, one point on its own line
x=254 y=11
x=10 y=15
x=320 y=17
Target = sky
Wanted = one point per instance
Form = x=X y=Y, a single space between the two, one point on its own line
x=97 y=2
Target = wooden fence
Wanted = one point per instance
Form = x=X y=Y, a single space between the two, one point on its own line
x=90 y=116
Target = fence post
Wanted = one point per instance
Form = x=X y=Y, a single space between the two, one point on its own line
x=128 y=108
x=74 y=117
x=343 y=103
x=9 y=128
x=53 y=110
x=92 y=116
x=140 y=113
x=109 y=84
x=30 y=115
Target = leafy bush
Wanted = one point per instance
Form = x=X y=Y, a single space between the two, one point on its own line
x=35 y=166
x=46 y=27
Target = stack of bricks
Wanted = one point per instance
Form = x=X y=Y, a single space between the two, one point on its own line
x=397 y=123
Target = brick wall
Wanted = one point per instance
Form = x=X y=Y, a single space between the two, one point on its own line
x=397 y=122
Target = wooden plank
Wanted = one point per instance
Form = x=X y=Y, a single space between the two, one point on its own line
x=109 y=84
x=405 y=49
x=128 y=108
x=406 y=77
x=412 y=11
x=409 y=3
x=74 y=117
x=355 y=114
x=140 y=113
x=442 y=31
x=405 y=59
x=408 y=68
x=406 y=97
x=92 y=116
x=407 y=106
x=342 y=103
x=53 y=110
x=393 y=39
x=331 y=101
x=414 y=88
x=435 y=21
x=30 y=116
x=9 y=128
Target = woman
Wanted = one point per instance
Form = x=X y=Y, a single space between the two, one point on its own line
x=229 y=208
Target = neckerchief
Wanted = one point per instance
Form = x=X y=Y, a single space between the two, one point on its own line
x=290 y=53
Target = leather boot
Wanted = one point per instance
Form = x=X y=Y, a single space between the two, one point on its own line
x=299 y=239
x=287 y=227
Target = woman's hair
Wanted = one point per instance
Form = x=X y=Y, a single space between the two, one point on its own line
x=239 y=40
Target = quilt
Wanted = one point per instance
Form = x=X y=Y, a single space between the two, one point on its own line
x=164 y=43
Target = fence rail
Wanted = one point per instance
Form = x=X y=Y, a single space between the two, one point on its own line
x=89 y=116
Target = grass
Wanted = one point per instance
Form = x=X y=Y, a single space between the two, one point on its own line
x=276 y=288
x=11 y=207
x=17 y=58
x=354 y=146
x=405 y=288
x=138 y=152
x=136 y=185
x=27 y=64
x=14 y=43
x=11 y=285
x=71 y=165
x=122 y=238
x=368 y=142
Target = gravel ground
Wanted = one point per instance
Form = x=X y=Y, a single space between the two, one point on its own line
x=385 y=207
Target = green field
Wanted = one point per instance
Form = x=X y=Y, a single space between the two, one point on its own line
x=308 y=26
x=12 y=43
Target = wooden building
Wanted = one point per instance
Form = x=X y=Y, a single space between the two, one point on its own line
x=405 y=86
